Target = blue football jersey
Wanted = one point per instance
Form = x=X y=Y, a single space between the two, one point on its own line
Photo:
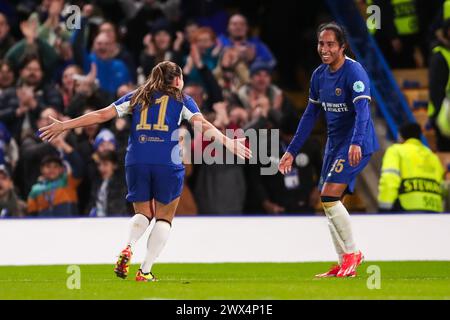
x=336 y=93
x=153 y=139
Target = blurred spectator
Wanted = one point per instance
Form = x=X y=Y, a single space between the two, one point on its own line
x=439 y=88
x=250 y=49
x=137 y=26
x=206 y=78
x=55 y=192
x=9 y=150
x=215 y=175
x=159 y=46
x=238 y=116
x=120 y=127
x=213 y=14
x=105 y=141
x=263 y=100
x=441 y=11
x=109 y=188
x=33 y=150
x=220 y=188
x=411 y=175
x=124 y=89
x=20 y=105
x=201 y=97
x=31 y=45
x=10 y=203
x=7 y=76
x=111 y=73
x=53 y=30
x=6 y=39
x=190 y=29
x=67 y=88
x=231 y=73
x=295 y=192
x=399 y=38
x=118 y=51
x=85 y=138
x=80 y=91
x=204 y=46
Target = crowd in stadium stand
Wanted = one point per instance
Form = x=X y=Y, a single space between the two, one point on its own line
x=53 y=70
x=52 y=65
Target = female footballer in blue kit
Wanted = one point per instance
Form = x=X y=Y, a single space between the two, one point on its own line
x=154 y=170
x=341 y=88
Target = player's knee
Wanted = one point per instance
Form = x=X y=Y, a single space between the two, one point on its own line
x=328 y=201
x=147 y=215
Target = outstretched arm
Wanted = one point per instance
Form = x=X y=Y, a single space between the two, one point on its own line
x=234 y=145
x=57 y=127
x=303 y=131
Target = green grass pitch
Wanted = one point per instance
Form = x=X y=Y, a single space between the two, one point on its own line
x=399 y=280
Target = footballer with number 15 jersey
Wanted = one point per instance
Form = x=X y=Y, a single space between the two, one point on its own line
x=340 y=88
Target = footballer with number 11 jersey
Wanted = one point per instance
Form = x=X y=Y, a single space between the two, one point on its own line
x=154 y=171
x=340 y=88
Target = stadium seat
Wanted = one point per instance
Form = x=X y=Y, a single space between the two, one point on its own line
x=416 y=98
x=411 y=78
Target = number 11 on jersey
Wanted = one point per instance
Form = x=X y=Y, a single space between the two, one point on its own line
x=160 y=125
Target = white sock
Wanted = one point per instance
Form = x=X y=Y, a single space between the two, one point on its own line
x=137 y=226
x=339 y=217
x=337 y=241
x=156 y=242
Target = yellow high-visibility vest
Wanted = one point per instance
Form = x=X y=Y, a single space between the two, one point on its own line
x=405 y=17
x=446 y=54
x=442 y=119
x=412 y=175
x=446 y=10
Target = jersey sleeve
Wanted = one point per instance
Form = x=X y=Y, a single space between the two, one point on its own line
x=122 y=105
x=358 y=82
x=189 y=109
x=314 y=88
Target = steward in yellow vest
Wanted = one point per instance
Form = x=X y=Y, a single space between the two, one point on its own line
x=399 y=36
x=411 y=176
x=439 y=91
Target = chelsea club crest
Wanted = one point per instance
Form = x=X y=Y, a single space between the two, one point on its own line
x=338 y=91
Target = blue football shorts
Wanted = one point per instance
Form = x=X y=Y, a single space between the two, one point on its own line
x=145 y=182
x=337 y=169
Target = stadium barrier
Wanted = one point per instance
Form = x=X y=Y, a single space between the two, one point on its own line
x=224 y=239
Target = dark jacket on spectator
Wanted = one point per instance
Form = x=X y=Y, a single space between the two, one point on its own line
x=116 y=191
x=42 y=49
x=46 y=95
x=79 y=102
x=5 y=45
x=291 y=191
